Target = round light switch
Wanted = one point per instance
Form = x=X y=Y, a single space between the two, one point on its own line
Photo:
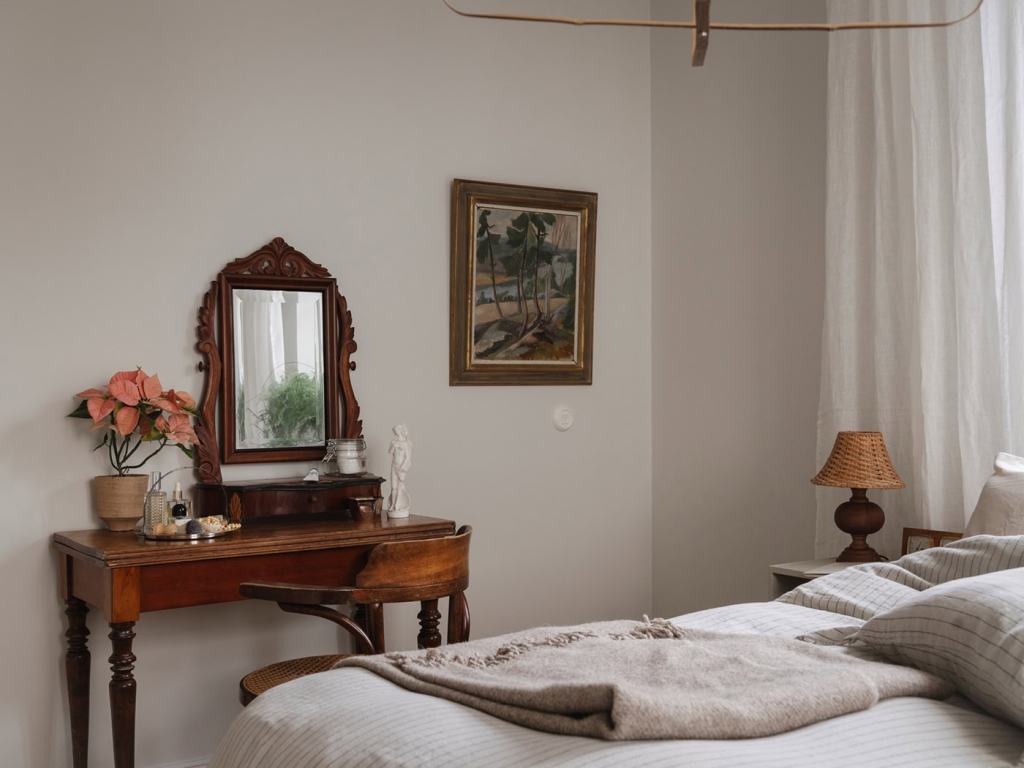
x=564 y=418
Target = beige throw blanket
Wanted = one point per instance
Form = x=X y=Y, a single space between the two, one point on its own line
x=651 y=680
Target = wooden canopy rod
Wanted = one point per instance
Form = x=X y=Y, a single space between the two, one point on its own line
x=702 y=25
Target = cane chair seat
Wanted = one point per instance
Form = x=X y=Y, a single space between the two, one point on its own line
x=263 y=679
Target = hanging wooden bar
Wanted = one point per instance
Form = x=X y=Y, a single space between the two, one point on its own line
x=701 y=24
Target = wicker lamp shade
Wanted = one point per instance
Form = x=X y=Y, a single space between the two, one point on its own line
x=859 y=460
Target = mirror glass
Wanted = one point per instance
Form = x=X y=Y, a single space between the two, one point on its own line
x=279 y=368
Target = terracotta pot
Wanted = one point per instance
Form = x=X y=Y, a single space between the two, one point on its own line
x=119 y=500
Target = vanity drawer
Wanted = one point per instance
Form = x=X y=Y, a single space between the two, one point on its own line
x=281 y=499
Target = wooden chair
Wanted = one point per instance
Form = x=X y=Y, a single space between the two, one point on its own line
x=421 y=571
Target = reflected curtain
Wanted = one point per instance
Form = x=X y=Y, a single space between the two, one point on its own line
x=259 y=361
x=924 y=309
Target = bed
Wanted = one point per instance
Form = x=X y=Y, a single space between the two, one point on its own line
x=352 y=718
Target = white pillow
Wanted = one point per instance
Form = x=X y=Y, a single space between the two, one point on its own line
x=870 y=589
x=1000 y=508
x=968 y=631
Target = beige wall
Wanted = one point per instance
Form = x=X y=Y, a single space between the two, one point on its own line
x=144 y=144
x=738 y=239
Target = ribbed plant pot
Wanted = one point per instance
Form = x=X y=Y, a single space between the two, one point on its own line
x=119 y=500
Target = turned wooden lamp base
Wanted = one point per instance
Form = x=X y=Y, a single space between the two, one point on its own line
x=859 y=518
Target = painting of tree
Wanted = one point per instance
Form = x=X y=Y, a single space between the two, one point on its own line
x=522 y=284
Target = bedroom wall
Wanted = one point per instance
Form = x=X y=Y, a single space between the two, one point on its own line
x=738 y=241
x=144 y=144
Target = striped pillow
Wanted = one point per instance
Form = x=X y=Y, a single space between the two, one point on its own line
x=873 y=588
x=969 y=631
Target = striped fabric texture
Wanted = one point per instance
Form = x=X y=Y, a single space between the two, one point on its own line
x=864 y=591
x=773 y=619
x=969 y=632
x=350 y=718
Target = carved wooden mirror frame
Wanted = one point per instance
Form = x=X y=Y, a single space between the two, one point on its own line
x=275 y=266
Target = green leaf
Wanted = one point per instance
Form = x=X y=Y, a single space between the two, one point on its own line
x=81 y=412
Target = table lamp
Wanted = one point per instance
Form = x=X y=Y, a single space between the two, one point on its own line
x=859 y=460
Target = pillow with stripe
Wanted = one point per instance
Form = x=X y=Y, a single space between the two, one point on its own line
x=867 y=590
x=969 y=631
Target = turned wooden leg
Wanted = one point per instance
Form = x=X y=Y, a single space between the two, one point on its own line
x=76 y=667
x=375 y=626
x=122 y=693
x=430 y=618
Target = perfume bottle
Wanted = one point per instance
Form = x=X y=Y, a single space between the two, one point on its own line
x=155 y=510
x=180 y=508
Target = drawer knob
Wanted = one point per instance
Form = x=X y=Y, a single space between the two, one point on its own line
x=312 y=499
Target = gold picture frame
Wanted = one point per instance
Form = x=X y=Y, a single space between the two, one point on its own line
x=522 y=285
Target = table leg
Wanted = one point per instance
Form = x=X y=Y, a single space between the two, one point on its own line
x=430 y=618
x=122 y=693
x=76 y=667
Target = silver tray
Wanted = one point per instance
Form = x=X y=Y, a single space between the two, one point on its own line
x=185 y=536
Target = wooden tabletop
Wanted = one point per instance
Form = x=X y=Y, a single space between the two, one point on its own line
x=119 y=549
x=809 y=568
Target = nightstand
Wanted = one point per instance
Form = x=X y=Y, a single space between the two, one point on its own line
x=787 y=576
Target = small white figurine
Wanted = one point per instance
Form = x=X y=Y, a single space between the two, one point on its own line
x=313 y=476
x=401 y=460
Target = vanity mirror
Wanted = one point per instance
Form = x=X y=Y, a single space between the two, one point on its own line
x=278 y=369
x=276 y=339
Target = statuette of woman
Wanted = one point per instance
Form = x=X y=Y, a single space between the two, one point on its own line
x=401 y=461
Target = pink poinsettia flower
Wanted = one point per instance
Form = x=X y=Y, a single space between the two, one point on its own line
x=136 y=408
x=126 y=420
x=182 y=398
x=165 y=403
x=177 y=429
x=174 y=401
x=124 y=388
x=132 y=376
x=99 y=408
x=150 y=386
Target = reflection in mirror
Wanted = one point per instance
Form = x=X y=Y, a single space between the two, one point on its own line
x=279 y=368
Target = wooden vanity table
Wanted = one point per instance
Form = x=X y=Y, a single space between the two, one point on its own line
x=271 y=321
x=123 y=576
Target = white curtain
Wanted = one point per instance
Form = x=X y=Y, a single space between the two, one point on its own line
x=924 y=309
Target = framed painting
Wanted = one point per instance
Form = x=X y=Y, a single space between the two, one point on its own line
x=522 y=285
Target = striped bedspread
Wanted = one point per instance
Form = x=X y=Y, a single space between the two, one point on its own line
x=350 y=718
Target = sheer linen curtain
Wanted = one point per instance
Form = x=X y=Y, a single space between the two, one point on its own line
x=924 y=307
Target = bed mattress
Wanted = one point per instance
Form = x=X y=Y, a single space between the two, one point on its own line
x=350 y=718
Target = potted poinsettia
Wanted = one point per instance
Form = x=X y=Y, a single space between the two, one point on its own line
x=139 y=418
